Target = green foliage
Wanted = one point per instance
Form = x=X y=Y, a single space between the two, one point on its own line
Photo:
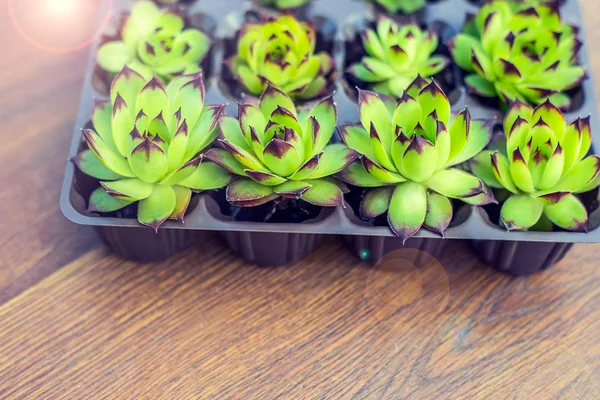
x=400 y=6
x=410 y=151
x=281 y=53
x=543 y=165
x=529 y=55
x=280 y=152
x=284 y=4
x=396 y=56
x=145 y=147
x=155 y=42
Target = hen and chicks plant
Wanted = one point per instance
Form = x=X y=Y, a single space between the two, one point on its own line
x=410 y=153
x=145 y=147
x=528 y=55
x=155 y=42
x=543 y=166
x=396 y=56
x=281 y=152
x=281 y=53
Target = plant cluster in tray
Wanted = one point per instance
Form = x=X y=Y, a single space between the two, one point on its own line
x=413 y=162
x=155 y=42
x=396 y=55
x=527 y=54
x=145 y=147
x=281 y=53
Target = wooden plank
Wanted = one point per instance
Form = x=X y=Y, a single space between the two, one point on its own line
x=38 y=103
x=205 y=325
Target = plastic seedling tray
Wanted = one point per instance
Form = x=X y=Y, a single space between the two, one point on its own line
x=282 y=243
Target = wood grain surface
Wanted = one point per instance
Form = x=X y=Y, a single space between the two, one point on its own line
x=79 y=323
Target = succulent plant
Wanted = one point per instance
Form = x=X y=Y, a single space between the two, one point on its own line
x=400 y=6
x=409 y=153
x=145 y=147
x=281 y=152
x=155 y=42
x=283 y=4
x=281 y=53
x=396 y=56
x=529 y=3
x=529 y=55
x=543 y=166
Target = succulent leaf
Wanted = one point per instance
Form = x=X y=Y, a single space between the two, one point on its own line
x=400 y=6
x=323 y=192
x=356 y=174
x=101 y=201
x=242 y=190
x=207 y=176
x=455 y=183
x=106 y=155
x=89 y=164
x=521 y=212
x=158 y=207
x=408 y=209
x=569 y=214
x=183 y=196
x=334 y=158
x=128 y=189
x=376 y=202
x=439 y=213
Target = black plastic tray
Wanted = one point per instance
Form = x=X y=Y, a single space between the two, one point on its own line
x=228 y=14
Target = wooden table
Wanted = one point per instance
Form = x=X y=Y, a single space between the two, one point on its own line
x=79 y=323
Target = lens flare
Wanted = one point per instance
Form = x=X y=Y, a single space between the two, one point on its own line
x=60 y=26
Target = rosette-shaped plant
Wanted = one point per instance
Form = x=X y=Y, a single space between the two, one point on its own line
x=283 y=4
x=155 y=42
x=400 y=6
x=529 y=55
x=396 y=56
x=279 y=152
x=281 y=53
x=408 y=151
x=145 y=147
x=544 y=166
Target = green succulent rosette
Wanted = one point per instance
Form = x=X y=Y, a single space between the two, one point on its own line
x=145 y=147
x=543 y=165
x=278 y=151
x=400 y=6
x=410 y=151
x=281 y=53
x=155 y=42
x=283 y=4
x=528 y=55
x=396 y=56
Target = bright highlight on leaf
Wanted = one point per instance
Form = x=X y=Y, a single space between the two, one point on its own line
x=519 y=53
x=281 y=53
x=280 y=152
x=396 y=56
x=155 y=42
x=544 y=165
x=146 y=145
x=413 y=151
